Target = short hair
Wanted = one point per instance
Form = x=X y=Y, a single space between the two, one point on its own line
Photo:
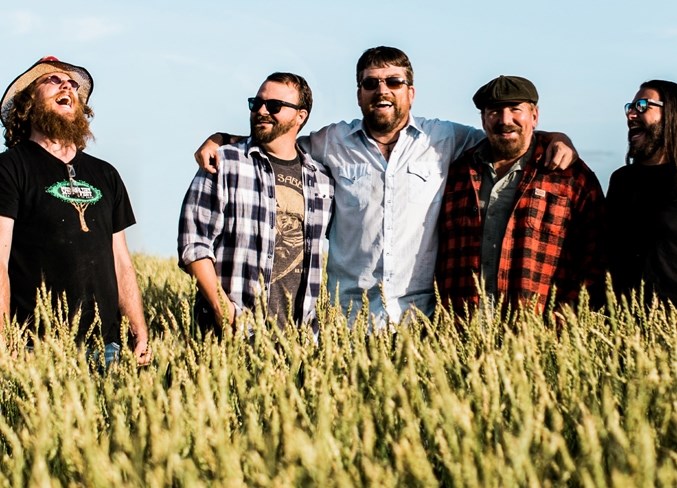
x=301 y=85
x=668 y=95
x=383 y=56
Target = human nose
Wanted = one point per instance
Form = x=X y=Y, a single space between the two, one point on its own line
x=382 y=86
x=631 y=113
x=505 y=115
x=69 y=84
x=263 y=109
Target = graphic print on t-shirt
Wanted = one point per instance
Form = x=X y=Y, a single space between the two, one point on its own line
x=288 y=261
x=288 y=227
x=78 y=193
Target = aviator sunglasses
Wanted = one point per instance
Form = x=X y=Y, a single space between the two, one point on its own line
x=392 y=82
x=55 y=80
x=272 y=106
x=642 y=105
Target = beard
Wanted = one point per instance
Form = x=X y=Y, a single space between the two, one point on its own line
x=507 y=148
x=379 y=122
x=265 y=136
x=653 y=142
x=60 y=128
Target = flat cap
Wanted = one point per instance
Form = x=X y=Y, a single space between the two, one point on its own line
x=505 y=89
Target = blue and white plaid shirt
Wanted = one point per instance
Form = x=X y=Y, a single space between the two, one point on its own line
x=229 y=217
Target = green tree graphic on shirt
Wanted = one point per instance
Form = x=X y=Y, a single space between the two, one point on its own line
x=80 y=194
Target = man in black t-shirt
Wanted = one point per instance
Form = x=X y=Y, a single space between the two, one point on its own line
x=62 y=211
x=642 y=196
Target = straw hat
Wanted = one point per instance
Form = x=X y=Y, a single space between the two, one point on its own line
x=48 y=64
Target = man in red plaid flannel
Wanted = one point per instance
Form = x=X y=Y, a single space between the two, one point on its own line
x=509 y=224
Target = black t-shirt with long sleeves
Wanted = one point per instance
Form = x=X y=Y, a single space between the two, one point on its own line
x=642 y=206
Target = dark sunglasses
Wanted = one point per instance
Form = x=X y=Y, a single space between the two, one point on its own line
x=55 y=80
x=391 y=82
x=272 y=106
x=642 y=105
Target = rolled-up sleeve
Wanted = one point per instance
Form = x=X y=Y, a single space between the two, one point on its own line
x=202 y=217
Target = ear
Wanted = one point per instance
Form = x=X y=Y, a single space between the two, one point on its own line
x=302 y=116
x=535 y=116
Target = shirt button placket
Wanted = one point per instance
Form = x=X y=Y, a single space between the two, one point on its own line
x=388 y=237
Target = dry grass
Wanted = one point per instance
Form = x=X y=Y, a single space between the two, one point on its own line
x=497 y=403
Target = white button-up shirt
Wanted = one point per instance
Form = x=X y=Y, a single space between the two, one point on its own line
x=385 y=214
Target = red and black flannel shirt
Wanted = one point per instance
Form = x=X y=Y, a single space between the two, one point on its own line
x=555 y=234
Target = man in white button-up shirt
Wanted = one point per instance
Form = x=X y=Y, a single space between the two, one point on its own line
x=390 y=169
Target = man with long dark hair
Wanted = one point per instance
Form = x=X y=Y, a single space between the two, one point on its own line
x=63 y=212
x=642 y=196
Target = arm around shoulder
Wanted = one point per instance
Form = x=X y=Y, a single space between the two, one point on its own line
x=560 y=152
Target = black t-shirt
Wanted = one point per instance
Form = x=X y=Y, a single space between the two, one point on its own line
x=288 y=261
x=642 y=206
x=63 y=228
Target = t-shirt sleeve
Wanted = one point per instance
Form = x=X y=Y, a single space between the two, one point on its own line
x=123 y=215
x=10 y=183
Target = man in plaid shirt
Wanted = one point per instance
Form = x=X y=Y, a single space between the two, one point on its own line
x=261 y=218
x=507 y=220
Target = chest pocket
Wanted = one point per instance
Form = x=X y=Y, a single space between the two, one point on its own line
x=424 y=180
x=353 y=185
x=548 y=212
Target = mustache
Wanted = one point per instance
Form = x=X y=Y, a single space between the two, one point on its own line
x=507 y=128
x=260 y=119
x=382 y=98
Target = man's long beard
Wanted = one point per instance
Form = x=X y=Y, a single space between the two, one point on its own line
x=653 y=142
x=383 y=123
x=263 y=136
x=59 y=128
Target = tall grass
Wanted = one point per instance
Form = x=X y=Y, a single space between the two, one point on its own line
x=489 y=403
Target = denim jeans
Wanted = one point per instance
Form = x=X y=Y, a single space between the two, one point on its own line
x=111 y=353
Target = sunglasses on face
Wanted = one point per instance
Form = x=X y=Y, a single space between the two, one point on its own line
x=392 y=82
x=272 y=106
x=642 y=105
x=55 y=80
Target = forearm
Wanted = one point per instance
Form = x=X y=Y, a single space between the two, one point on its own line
x=129 y=295
x=4 y=297
x=210 y=288
x=6 y=233
x=131 y=305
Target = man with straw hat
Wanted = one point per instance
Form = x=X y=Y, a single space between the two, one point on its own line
x=63 y=212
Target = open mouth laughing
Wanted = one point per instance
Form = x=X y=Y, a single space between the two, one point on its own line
x=64 y=100
x=635 y=131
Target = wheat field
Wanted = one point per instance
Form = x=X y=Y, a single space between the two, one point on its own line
x=589 y=402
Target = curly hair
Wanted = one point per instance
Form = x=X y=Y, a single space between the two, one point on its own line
x=18 y=125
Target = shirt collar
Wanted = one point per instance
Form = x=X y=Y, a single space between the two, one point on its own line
x=252 y=148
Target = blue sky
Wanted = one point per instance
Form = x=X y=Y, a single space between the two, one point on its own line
x=169 y=73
